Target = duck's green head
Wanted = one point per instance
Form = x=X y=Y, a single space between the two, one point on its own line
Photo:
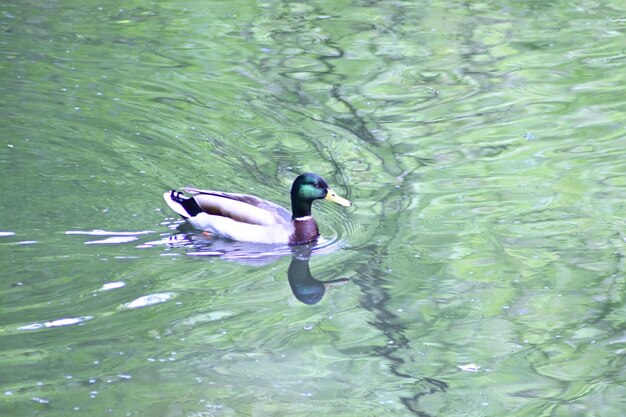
x=308 y=187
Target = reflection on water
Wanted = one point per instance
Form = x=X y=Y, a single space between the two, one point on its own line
x=200 y=244
x=303 y=285
x=306 y=288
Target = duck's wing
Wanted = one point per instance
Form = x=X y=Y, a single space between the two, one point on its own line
x=240 y=207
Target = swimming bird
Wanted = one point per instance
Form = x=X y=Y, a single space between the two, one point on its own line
x=252 y=219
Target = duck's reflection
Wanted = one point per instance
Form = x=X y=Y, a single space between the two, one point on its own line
x=245 y=253
x=304 y=287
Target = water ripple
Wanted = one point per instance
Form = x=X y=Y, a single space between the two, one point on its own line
x=148 y=300
x=114 y=237
x=112 y=285
x=98 y=232
x=68 y=321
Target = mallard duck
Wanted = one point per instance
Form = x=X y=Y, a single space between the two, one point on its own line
x=248 y=218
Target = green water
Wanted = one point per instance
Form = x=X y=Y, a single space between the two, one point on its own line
x=483 y=145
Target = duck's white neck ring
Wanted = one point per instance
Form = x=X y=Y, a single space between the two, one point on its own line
x=303 y=218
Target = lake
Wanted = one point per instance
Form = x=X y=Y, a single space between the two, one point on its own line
x=479 y=272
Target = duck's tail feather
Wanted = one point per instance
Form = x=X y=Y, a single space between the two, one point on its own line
x=186 y=207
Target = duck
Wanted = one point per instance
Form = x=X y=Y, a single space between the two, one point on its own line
x=249 y=218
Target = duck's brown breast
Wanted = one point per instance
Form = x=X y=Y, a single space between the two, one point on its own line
x=305 y=231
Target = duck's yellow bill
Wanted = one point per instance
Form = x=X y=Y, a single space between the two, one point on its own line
x=332 y=196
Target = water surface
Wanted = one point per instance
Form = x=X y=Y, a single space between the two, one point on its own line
x=481 y=143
